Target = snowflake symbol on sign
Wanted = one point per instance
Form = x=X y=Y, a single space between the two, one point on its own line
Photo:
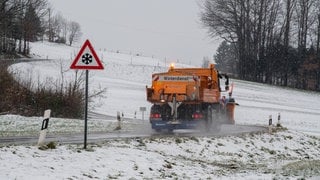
x=87 y=58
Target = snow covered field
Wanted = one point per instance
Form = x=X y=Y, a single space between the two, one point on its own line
x=288 y=154
x=284 y=155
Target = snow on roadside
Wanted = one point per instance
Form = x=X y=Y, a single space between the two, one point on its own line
x=15 y=125
x=299 y=110
x=255 y=156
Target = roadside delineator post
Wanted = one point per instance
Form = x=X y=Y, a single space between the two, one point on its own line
x=143 y=109
x=119 y=121
x=44 y=127
x=270 y=124
x=278 y=124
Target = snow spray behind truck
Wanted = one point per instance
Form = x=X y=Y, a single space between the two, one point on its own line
x=187 y=98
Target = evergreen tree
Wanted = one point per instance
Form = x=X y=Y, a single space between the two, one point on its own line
x=226 y=58
x=32 y=24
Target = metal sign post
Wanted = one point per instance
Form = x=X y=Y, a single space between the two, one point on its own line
x=86 y=111
x=86 y=59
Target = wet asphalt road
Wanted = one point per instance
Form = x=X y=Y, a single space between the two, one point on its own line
x=143 y=130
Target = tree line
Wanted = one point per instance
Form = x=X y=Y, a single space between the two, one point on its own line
x=269 y=41
x=24 y=21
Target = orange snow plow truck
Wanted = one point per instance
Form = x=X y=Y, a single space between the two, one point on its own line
x=187 y=98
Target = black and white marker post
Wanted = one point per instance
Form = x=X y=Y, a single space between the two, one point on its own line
x=270 y=124
x=86 y=59
x=44 y=127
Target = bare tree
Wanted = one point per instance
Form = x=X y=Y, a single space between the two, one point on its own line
x=64 y=28
x=249 y=24
x=20 y=21
x=23 y=21
x=50 y=29
x=8 y=12
x=289 y=6
x=305 y=17
x=226 y=19
x=74 y=32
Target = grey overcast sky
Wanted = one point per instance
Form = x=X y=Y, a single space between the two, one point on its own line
x=168 y=29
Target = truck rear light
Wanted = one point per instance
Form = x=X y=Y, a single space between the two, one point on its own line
x=197 y=116
x=156 y=115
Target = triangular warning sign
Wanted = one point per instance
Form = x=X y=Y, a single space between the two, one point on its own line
x=86 y=58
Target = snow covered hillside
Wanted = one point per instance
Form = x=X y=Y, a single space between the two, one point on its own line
x=285 y=154
x=126 y=76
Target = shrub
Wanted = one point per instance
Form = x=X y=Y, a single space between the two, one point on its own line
x=178 y=140
x=51 y=145
x=65 y=100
